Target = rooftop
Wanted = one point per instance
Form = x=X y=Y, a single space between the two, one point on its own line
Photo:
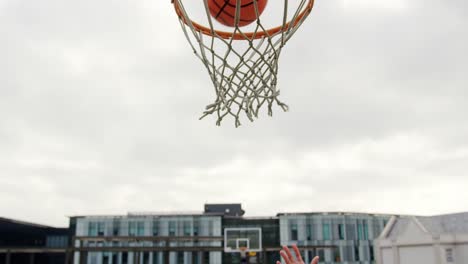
x=449 y=224
x=335 y=213
x=149 y=214
x=20 y=222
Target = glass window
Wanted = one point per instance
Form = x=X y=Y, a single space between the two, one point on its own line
x=155 y=258
x=309 y=232
x=371 y=251
x=187 y=228
x=172 y=228
x=311 y=254
x=155 y=228
x=210 y=228
x=145 y=257
x=132 y=229
x=52 y=241
x=293 y=227
x=366 y=231
x=349 y=253
x=321 y=254
x=360 y=231
x=326 y=232
x=356 y=253
x=351 y=232
x=180 y=257
x=94 y=258
x=100 y=228
x=92 y=229
x=140 y=228
x=195 y=228
x=56 y=241
x=341 y=231
x=124 y=257
x=115 y=227
x=336 y=255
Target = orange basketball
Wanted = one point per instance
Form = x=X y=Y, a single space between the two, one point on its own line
x=224 y=11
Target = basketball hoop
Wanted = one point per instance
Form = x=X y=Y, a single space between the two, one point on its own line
x=245 y=75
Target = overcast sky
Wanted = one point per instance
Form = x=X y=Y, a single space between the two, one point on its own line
x=99 y=107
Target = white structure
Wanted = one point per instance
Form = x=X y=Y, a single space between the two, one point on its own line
x=424 y=240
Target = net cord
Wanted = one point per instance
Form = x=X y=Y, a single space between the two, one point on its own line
x=249 y=83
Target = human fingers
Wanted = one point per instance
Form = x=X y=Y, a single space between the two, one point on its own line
x=315 y=260
x=285 y=257
x=288 y=252
x=298 y=253
x=277 y=262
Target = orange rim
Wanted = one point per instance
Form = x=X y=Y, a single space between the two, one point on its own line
x=243 y=36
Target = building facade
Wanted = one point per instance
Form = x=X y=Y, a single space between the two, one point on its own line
x=24 y=243
x=135 y=232
x=219 y=234
x=350 y=234
x=197 y=238
x=430 y=240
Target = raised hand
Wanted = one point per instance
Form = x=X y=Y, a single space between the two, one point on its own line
x=290 y=259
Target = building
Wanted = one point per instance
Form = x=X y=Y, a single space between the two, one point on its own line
x=147 y=238
x=182 y=237
x=351 y=235
x=220 y=233
x=430 y=240
x=24 y=243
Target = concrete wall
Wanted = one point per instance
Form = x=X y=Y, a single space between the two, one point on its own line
x=413 y=255
x=424 y=254
x=461 y=254
x=387 y=256
x=407 y=241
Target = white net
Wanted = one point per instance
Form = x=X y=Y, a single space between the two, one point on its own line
x=243 y=65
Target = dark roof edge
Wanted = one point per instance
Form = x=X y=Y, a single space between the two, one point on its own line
x=21 y=222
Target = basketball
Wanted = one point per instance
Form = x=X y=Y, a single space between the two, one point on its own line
x=224 y=11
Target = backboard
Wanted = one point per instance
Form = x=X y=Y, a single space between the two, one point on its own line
x=237 y=238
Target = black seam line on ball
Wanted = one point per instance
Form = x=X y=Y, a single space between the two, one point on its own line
x=228 y=14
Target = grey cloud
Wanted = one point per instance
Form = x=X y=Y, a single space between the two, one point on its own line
x=100 y=102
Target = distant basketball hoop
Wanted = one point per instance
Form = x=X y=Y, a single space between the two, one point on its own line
x=243 y=240
x=242 y=62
